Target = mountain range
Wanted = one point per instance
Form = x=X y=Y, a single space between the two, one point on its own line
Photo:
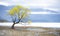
x=4 y=11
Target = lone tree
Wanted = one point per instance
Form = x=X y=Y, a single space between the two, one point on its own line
x=19 y=14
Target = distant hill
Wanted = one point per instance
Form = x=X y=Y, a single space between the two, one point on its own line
x=3 y=12
x=3 y=21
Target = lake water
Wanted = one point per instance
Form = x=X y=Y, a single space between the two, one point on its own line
x=45 y=17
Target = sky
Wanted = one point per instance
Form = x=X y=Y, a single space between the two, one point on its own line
x=46 y=4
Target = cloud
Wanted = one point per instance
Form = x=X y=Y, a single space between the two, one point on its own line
x=46 y=4
x=3 y=3
x=41 y=3
x=49 y=4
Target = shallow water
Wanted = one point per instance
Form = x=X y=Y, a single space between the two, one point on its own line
x=4 y=31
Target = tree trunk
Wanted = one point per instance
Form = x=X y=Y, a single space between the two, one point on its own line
x=13 y=26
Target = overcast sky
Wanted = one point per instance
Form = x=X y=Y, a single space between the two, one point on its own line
x=54 y=4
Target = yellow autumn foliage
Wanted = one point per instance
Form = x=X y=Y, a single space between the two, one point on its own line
x=16 y=10
x=24 y=13
x=11 y=12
